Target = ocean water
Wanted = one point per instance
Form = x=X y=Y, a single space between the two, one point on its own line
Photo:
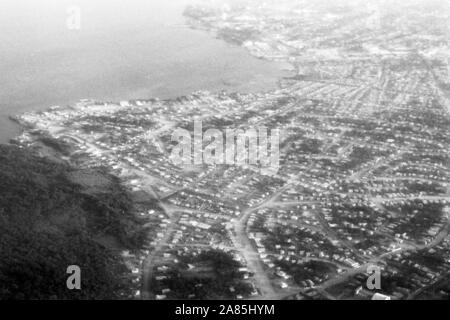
x=124 y=49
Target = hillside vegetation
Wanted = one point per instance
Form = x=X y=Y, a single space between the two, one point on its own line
x=53 y=216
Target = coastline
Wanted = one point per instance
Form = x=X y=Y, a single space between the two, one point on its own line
x=240 y=72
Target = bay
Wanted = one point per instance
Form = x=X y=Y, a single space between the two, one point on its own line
x=124 y=50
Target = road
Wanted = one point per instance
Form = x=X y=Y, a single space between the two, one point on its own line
x=243 y=245
x=149 y=262
x=363 y=268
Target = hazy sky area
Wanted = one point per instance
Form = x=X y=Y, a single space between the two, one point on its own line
x=125 y=49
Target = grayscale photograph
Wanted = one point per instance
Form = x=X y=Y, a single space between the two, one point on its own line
x=244 y=151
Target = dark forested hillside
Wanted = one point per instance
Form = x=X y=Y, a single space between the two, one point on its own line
x=53 y=216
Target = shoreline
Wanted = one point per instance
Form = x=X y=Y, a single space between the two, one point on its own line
x=13 y=118
x=165 y=69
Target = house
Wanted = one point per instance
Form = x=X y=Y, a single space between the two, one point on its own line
x=379 y=296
